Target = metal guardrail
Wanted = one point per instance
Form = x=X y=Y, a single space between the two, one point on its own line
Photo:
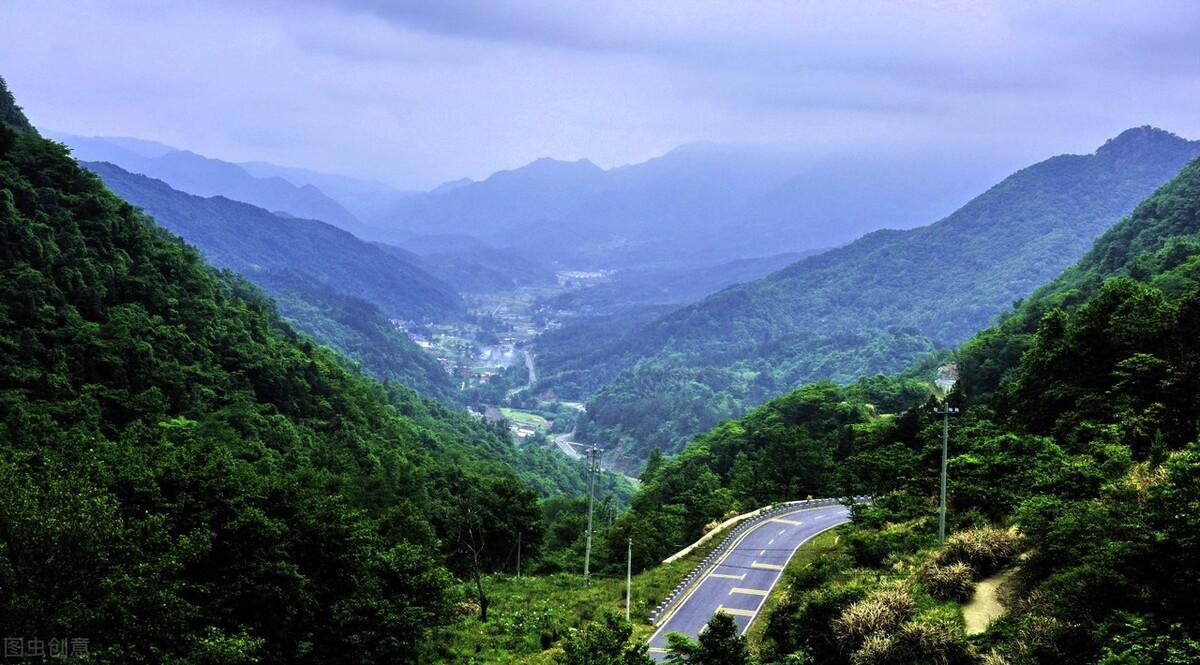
x=710 y=560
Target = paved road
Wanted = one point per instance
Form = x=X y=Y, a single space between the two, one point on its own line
x=564 y=443
x=532 y=375
x=741 y=580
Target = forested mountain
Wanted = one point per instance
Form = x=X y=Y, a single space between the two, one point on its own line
x=249 y=239
x=1078 y=430
x=874 y=305
x=203 y=176
x=357 y=329
x=185 y=479
x=10 y=113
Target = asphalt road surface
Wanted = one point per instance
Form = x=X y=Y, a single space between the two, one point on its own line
x=564 y=443
x=740 y=582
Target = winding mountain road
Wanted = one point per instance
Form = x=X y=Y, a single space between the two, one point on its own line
x=564 y=443
x=743 y=578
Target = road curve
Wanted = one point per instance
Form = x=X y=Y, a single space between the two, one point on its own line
x=746 y=574
x=564 y=443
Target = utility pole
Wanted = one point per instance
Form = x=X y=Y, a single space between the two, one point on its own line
x=518 y=555
x=945 y=410
x=628 y=577
x=593 y=466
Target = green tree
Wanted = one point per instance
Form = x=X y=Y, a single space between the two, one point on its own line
x=720 y=643
x=603 y=643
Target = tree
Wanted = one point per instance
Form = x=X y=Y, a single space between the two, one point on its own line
x=605 y=643
x=721 y=643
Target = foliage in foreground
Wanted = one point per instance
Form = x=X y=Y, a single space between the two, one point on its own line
x=1077 y=447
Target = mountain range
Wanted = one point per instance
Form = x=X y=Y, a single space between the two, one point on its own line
x=204 y=176
x=872 y=306
x=698 y=205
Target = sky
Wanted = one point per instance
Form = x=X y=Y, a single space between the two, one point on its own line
x=417 y=93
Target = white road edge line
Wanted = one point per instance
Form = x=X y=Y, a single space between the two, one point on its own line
x=732 y=548
x=771 y=586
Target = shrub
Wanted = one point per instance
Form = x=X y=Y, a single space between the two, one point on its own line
x=870 y=548
x=877 y=649
x=883 y=610
x=986 y=549
x=936 y=642
x=953 y=581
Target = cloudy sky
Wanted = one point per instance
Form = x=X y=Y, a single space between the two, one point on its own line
x=414 y=93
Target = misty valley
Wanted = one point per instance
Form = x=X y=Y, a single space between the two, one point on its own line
x=814 y=350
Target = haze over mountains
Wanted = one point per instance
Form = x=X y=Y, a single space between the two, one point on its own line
x=873 y=306
x=698 y=205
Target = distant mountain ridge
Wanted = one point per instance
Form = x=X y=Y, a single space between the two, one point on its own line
x=204 y=176
x=249 y=239
x=878 y=303
x=697 y=205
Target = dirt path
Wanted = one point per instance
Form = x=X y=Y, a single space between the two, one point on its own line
x=984 y=606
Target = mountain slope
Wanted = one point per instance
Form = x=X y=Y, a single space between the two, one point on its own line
x=1074 y=468
x=249 y=239
x=357 y=329
x=174 y=458
x=203 y=176
x=365 y=199
x=11 y=114
x=542 y=190
x=878 y=303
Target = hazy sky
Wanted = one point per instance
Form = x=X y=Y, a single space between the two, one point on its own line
x=414 y=93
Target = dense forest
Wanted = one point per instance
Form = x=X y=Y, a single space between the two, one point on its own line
x=1074 y=469
x=185 y=479
x=358 y=330
x=873 y=306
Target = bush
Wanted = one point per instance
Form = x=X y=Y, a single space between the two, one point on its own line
x=937 y=641
x=953 y=581
x=986 y=549
x=871 y=548
x=883 y=610
x=919 y=641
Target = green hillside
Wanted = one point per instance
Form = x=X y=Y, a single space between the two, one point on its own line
x=357 y=329
x=249 y=239
x=872 y=306
x=184 y=479
x=1078 y=432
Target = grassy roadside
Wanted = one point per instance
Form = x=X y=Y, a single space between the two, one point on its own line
x=823 y=544
x=529 y=616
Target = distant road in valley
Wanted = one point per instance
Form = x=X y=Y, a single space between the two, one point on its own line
x=743 y=578
x=564 y=443
x=532 y=374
